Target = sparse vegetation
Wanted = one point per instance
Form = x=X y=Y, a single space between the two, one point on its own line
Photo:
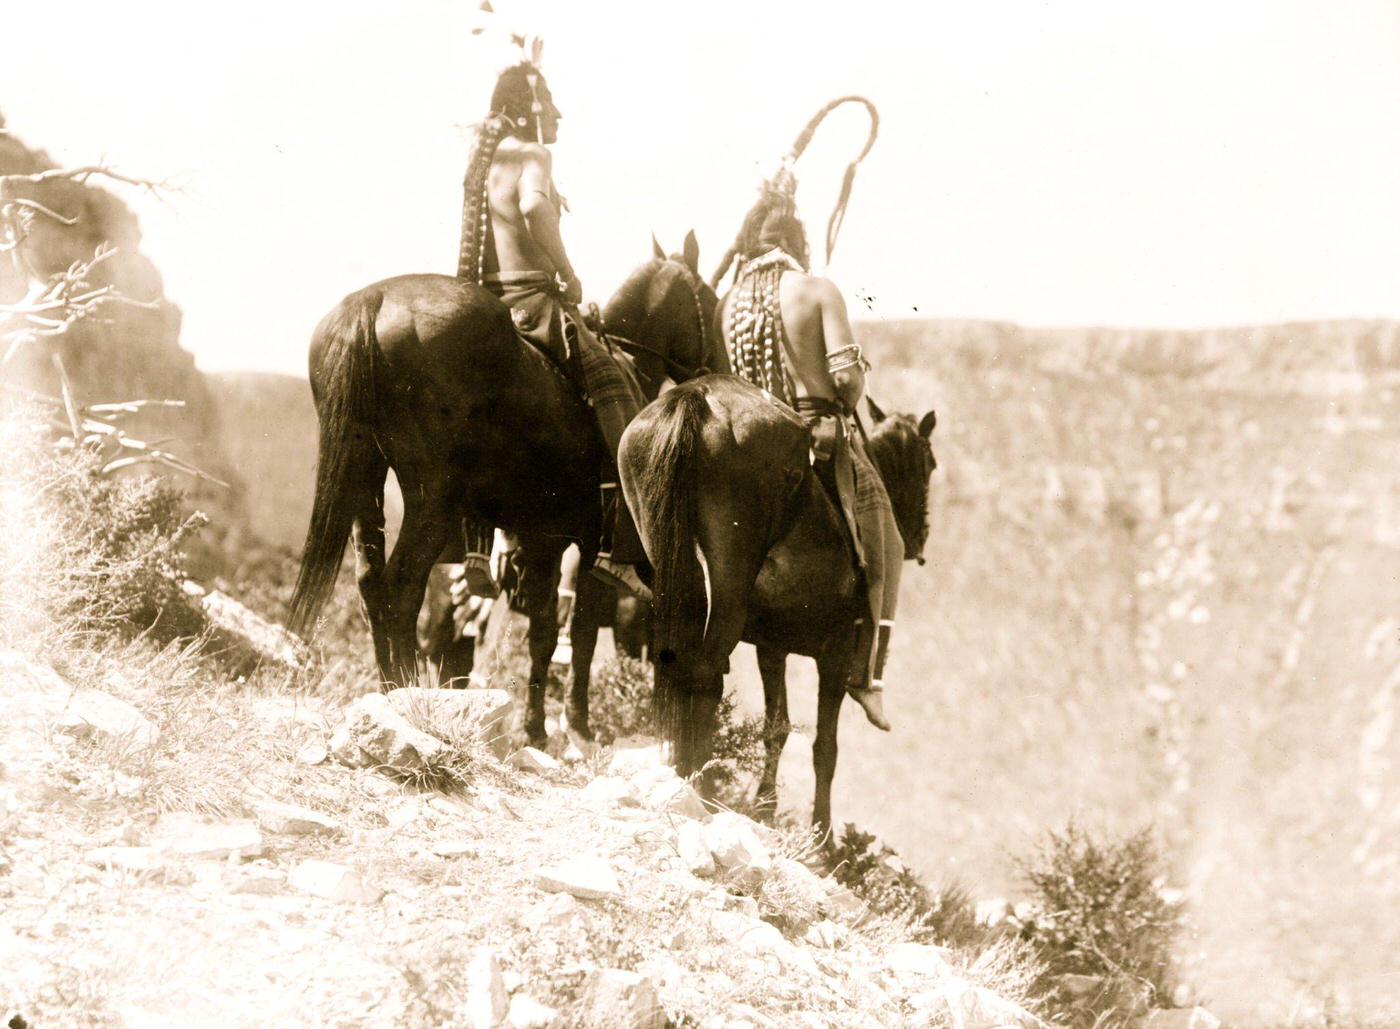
x=1098 y=909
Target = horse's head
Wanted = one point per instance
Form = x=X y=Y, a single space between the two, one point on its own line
x=669 y=310
x=902 y=450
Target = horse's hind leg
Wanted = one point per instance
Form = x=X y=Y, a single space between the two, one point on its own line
x=588 y=616
x=539 y=592
x=427 y=522
x=772 y=666
x=832 y=668
x=368 y=535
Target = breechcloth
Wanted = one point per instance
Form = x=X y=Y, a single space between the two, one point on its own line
x=543 y=319
x=541 y=316
x=840 y=457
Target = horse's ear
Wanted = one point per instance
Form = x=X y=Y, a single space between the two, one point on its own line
x=691 y=252
x=656 y=248
x=875 y=411
x=927 y=423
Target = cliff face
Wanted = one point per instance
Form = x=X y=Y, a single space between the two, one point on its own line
x=123 y=352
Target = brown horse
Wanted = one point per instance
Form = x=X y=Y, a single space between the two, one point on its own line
x=674 y=347
x=747 y=545
x=425 y=375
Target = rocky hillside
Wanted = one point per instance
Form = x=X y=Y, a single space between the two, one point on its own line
x=125 y=352
x=177 y=852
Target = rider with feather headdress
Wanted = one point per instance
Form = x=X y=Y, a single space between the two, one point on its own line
x=511 y=244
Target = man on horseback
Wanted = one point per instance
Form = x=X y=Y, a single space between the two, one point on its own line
x=788 y=333
x=511 y=244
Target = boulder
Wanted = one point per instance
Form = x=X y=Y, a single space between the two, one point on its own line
x=591 y=878
x=375 y=733
x=333 y=882
x=482 y=713
x=487 y=1004
x=626 y=1000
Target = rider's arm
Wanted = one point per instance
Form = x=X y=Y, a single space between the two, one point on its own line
x=538 y=208
x=837 y=335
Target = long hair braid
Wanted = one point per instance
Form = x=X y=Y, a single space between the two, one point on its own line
x=476 y=211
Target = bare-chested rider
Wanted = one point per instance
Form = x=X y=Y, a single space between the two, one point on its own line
x=787 y=331
x=511 y=244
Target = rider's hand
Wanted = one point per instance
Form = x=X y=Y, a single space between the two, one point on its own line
x=573 y=291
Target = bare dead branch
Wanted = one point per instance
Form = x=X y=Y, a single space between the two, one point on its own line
x=86 y=172
x=69 y=405
x=34 y=205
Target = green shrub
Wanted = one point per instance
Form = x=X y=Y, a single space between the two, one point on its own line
x=875 y=873
x=89 y=553
x=1099 y=911
x=619 y=699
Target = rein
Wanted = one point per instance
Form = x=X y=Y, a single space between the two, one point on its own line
x=679 y=372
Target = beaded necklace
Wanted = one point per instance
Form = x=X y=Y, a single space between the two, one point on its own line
x=756 y=335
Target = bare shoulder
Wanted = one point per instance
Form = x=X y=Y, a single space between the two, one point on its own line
x=814 y=289
x=522 y=153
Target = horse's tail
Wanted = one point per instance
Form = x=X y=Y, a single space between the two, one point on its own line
x=669 y=494
x=347 y=345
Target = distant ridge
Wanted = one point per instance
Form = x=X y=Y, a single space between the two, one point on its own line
x=1284 y=355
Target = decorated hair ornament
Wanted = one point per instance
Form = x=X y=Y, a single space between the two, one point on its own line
x=780 y=190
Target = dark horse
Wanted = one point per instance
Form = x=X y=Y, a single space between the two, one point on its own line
x=747 y=545
x=425 y=374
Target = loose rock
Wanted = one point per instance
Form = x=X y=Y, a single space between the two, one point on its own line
x=736 y=847
x=375 y=733
x=528 y=759
x=482 y=713
x=694 y=851
x=190 y=837
x=919 y=959
x=676 y=796
x=560 y=910
x=487 y=1003
x=626 y=1000
x=591 y=878
x=288 y=820
x=975 y=1007
x=1182 y=1018
x=528 y=1013
x=333 y=882
x=313 y=753
x=131 y=859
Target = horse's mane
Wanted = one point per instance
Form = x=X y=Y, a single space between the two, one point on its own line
x=897 y=450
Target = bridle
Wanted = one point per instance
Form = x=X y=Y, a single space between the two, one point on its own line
x=679 y=372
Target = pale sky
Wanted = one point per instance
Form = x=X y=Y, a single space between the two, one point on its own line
x=1064 y=162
